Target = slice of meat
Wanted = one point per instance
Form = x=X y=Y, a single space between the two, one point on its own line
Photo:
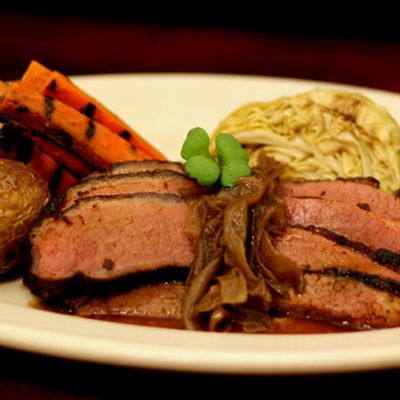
x=132 y=167
x=341 y=299
x=343 y=219
x=341 y=285
x=157 y=181
x=108 y=237
x=327 y=298
x=355 y=192
x=311 y=251
x=157 y=300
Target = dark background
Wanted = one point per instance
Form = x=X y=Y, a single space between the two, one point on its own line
x=323 y=41
x=339 y=18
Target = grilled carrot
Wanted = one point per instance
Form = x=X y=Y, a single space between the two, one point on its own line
x=64 y=157
x=59 y=179
x=36 y=76
x=90 y=139
x=65 y=181
x=57 y=85
x=17 y=135
x=43 y=165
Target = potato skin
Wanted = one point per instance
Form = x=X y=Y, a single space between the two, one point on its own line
x=23 y=194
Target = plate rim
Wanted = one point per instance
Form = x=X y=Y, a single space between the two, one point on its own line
x=229 y=76
x=381 y=356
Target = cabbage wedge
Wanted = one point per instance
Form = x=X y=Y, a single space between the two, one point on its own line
x=321 y=134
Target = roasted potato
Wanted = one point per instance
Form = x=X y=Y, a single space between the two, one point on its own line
x=23 y=194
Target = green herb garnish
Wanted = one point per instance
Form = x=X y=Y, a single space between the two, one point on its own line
x=233 y=161
x=232 y=158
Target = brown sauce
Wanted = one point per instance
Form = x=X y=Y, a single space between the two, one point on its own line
x=286 y=325
x=279 y=325
x=143 y=321
x=293 y=325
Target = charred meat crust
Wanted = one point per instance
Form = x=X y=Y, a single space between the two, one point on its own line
x=90 y=182
x=384 y=257
x=50 y=210
x=345 y=220
x=58 y=290
x=139 y=166
x=305 y=248
x=142 y=174
x=388 y=258
x=149 y=163
x=370 y=181
x=375 y=281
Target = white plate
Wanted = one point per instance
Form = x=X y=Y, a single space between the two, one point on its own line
x=163 y=108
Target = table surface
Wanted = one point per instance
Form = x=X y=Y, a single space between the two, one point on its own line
x=82 y=45
x=27 y=376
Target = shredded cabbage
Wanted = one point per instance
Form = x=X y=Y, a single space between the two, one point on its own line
x=321 y=134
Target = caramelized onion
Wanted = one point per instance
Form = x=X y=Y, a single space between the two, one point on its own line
x=236 y=271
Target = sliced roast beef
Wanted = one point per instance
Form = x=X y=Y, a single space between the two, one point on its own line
x=341 y=285
x=311 y=251
x=157 y=300
x=331 y=297
x=353 y=223
x=109 y=237
x=132 y=167
x=355 y=192
x=104 y=238
x=328 y=296
x=157 y=181
x=160 y=304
